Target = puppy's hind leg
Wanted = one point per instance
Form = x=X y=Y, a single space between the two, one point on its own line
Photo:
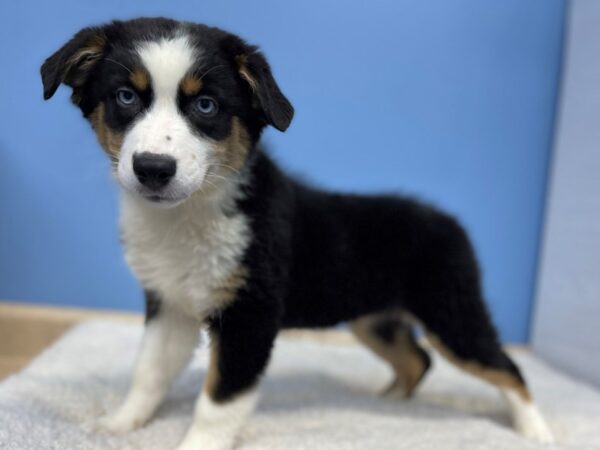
x=390 y=336
x=443 y=292
x=168 y=343
x=460 y=329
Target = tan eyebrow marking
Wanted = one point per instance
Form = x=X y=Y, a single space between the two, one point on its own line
x=191 y=85
x=140 y=79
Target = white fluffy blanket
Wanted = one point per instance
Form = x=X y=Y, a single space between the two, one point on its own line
x=316 y=395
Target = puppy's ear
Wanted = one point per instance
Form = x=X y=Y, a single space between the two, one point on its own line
x=255 y=70
x=74 y=61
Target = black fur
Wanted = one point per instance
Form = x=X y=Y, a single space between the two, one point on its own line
x=57 y=70
x=316 y=258
x=153 y=304
x=320 y=258
x=218 y=68
x=385 y=329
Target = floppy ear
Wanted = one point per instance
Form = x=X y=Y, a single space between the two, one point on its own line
x=255 y=70
x=72 y=63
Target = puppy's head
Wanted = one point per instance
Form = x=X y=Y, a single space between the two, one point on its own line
x=177 y=106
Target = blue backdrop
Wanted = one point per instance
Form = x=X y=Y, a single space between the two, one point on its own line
x=450 y=100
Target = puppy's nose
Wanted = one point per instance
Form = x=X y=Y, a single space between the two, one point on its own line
x=154 y=170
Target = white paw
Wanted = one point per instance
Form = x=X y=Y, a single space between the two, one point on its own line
x=202 y=440
x=527 y=419
x=118 y=423
x=536 y=430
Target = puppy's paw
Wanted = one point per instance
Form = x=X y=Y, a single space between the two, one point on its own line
x=206 y=440
x=527 y=419
x=119 y=423
x=535 y=429
x=396 y=391
x=529 y=422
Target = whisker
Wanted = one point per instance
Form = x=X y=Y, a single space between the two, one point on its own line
x=217 y=176
x=213 y=185
x=118 y=63
x=226 y=166
x=210 y=70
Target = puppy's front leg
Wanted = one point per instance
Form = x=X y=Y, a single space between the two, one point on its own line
x=241 y=342
x=169 y=340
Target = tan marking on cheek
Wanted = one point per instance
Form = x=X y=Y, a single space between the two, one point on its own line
x=140 y=79
x=495 y=376
x=191 y=85
x=110 y=140
x=233 y=150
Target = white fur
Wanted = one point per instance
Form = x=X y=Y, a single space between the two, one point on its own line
x=186 y=252
x=169 y=341
x=163 y=129
x=167 y=61
x=527 y=419
x=215 y=425
x=183 y=253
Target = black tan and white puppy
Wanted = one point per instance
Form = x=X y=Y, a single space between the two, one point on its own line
x=220 y=237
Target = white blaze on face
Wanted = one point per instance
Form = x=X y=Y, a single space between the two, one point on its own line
x=162 y=129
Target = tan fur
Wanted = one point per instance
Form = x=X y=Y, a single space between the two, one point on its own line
x=242 y=61
x=212 y=374
x=233 y=150
x=140 y=79
x=191 y=85
x=493 y=376
x=402 y=354
x=238 y=144
x=109 y=139
x=85 y=58
x=223 y=296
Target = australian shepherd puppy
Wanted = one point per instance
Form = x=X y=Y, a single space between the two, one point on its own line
x=220 y=237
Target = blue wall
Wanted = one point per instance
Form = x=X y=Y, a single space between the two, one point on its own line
x=450 y=100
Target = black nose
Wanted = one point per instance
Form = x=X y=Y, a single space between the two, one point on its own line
x=152 y=170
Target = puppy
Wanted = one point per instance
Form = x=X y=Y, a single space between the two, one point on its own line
x=219 y=236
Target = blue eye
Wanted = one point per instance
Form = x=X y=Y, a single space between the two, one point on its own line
x=126 y=97
x=205 y=106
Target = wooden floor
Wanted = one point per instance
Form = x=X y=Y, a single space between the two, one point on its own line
x=27 y=329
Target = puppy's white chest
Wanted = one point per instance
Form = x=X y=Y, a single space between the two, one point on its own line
x=186 y=255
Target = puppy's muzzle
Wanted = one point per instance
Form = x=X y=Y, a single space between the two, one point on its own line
x=154 y=170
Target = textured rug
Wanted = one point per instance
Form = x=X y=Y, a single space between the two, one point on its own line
x=316 y=395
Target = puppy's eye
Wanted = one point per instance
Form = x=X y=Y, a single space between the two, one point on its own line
x=126 y=98
x=205 y=106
